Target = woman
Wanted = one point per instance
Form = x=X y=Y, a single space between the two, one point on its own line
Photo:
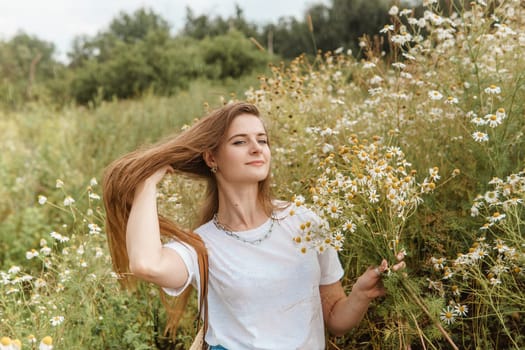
x=258 y=291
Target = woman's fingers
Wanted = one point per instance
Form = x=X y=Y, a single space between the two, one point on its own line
x=401 y=255
x=399 y=266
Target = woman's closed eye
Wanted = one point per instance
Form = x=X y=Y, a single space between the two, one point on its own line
x=242 y=142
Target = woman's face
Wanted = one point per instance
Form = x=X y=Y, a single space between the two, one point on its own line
x=244 y=155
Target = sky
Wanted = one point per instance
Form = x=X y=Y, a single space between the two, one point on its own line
x=59 y=21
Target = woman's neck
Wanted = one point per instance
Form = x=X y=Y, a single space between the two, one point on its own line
x=240 y=208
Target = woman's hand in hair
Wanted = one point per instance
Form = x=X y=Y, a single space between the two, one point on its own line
x=158 y=175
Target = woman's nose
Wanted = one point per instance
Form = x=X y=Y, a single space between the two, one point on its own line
x=256 y=146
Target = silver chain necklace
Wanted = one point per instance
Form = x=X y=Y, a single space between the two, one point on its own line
x=258 y=241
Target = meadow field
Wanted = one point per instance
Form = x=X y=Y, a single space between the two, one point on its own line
x=419 y=149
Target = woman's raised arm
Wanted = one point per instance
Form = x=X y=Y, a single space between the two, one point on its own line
x=148 y=259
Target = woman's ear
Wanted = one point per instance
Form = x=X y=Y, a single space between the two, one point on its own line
x=209 y=159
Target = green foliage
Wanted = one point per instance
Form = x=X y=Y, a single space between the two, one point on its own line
x=27 y=70
x=201 y=27
x=231 y=56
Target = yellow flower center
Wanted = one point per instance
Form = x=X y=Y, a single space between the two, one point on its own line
x=47 y=340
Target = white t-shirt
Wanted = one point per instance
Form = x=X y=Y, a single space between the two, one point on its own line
x=263 y=296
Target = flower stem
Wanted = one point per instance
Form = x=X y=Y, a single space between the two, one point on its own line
x=420 y=303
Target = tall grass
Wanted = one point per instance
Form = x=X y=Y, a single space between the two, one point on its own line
x=420 y=151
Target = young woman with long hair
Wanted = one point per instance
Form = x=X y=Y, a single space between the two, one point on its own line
x=256 y=289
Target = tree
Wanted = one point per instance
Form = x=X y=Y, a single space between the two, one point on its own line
x=27 y=65
x=200 y=27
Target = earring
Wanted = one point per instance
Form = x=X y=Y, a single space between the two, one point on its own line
x=213 y=169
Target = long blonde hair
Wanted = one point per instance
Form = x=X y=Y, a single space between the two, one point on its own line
x=185 y=154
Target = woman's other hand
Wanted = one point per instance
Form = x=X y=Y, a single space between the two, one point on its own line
x=369 y=285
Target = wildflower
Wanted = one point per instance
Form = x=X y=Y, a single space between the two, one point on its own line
x=94 y=229
x=46 y=343
x=496 y=217
x=327 y=148
x=373 y=197
x=461 y=310
x=13 y=270
x=494 y=281
x=451 y=100
x=447 y=273
x=394 y=10
x=94 y=196
x=478 y=254
x=438 y=263
x=31 y=339
x=435 y=95
x=433 y=172
x=93 y=182
x=479 y=136
x=59 y=183
x=376 y=80
x=368 y=65
x=39 y=283
x=57 y=236
x=42 y=200
x=399 y=65
x=387 y=28
x=31 y=254
x=16 y=344
x=493 y=90
x=501 y=114
x=12 y=291
x=56 y=320
x=5 y=343
x=499 y=268
x=493 y=120
x=349 y=226
x=448 y=315
x=46 y=251
x=334 y=210
x=491 y=197
x=68 y=201
x=455 y=290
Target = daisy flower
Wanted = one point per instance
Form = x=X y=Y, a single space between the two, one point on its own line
x=56 y=320
x=496 y=217
x=31 y=254
x=68 y=201
x=5 y=343
x=493 y=120
x=479 y=136
x=46 y=343
x=387 y=28
x=500 y=113
x=42 y=200
x=448 y=315
x=435 y=95
x=493 y=90
x=461 y=310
